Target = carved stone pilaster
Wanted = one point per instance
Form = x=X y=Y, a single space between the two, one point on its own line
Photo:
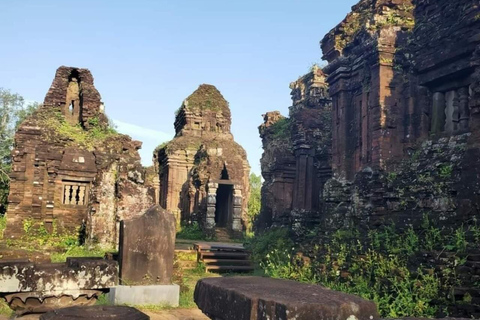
x=211 y=202
x=464 y=111
x=237 y=209
x=438 y=112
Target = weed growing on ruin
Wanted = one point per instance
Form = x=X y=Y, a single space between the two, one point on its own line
x=5 y=309
x=102 y=300
x=192 y=232
x=386 y=267
x=411 y=241
x=445 y=171
x=96 y=133
x=475 y=229
x=61 y=245
x=27 y=225
x=459 y=242
x=3 y=224
x=432 y=238
x=281 y=129
x=391 y=176
x=160 y=146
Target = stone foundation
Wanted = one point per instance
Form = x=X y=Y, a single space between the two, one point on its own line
x=165 y=295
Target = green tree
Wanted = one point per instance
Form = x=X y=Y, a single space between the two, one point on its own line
x=254 y=202
x=12 y=112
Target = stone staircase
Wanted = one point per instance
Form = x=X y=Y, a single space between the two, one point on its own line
x=223 y=257
x=222 y=235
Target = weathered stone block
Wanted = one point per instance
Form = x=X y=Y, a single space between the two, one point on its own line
x=29 y=287
x=96 y=312
x=258 y=298
x=147 y=245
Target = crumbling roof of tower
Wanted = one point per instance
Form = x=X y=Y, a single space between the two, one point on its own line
x=207 y=97
x=370 y=16
x=57 y=93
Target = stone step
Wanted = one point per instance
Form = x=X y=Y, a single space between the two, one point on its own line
x=218 y=246
x=218 y=254
x=229 y=268
x=222 y=235
x=223 y=250
x=226 y=261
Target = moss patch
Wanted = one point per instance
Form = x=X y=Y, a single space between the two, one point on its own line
x=58 y=128
x=181 y=143
x=207 y=97
x=370 y=17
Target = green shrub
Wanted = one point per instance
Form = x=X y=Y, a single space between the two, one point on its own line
x=276 y=239
x=191 y=232
x=281 y=129
x=102 y=300
x=379 y=268
x=254 y=201
x=5 y=309
x=3 y=224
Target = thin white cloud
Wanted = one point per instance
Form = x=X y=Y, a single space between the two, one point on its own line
x=138 y=132
x=150 y=138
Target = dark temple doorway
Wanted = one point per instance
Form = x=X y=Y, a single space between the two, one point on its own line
x=223 y=207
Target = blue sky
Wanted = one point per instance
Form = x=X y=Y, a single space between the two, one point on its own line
x=148 y=56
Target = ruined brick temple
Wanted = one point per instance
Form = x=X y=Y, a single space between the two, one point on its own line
x=399 y=98
x=203 y=172
x=296 y=159
x=70 y=170
x=386 y=133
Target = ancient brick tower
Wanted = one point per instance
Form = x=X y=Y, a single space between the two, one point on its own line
x=399 y=72
x=297 y=152
x=203 y=172
x=70 y=169
x=404 y=81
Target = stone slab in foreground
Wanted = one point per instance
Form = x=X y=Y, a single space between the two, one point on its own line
x=96 y=312
x=258 y=298
x=428 y=319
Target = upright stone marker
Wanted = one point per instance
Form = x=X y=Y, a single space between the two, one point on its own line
x=147 y=248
